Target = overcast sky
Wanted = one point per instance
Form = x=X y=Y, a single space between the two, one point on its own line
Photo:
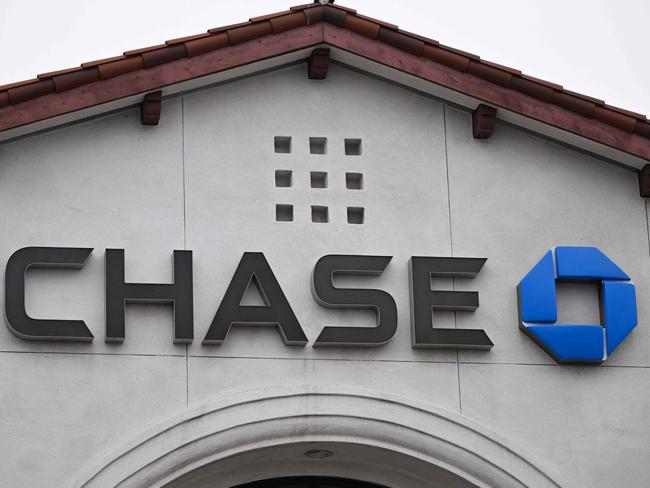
x=596 y=47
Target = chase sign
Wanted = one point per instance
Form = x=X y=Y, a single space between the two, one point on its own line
x=591 y=343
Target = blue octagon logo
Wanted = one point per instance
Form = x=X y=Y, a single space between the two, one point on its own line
x=577 y=343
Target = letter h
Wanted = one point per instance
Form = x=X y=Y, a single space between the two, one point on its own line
x=179 y=294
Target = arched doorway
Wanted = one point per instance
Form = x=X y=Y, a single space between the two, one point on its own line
x=310 y=482
x=251 y=436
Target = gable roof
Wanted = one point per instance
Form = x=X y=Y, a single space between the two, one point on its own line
x=59 y=93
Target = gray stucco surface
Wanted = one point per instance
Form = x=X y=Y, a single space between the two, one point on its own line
x=204 y=180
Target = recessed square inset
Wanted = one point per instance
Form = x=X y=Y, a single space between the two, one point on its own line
x=283 y=212
x=318 y=145
x=318 y=179
x=353 y=147
x=319 y=214
x=282 y=144
x=283 y=178
x=354 y=181
x=355 y=215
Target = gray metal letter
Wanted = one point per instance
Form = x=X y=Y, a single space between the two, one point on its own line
x=424 y=301
x=329 y=296
x=21 y=324
x=179 y=294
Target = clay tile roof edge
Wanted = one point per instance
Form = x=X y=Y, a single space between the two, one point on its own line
x=227 y=27
x=50 y=74
x=270 y=16
x=428 y=40
x=458 y=51
x=304 y=6
x=15 y=84
x=502 y=67
x=548 y=84
x=626 y=112
x=597 y=101
x=90 y=64
x=144 y=50
x=376 y=21
x=341 y=7
x=179 y=40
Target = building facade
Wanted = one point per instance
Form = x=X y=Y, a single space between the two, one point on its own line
x=301 y=158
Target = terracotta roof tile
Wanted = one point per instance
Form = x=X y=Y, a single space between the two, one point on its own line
x=623 y=122
x=362 y=26
x=226 y=27
x=4 y=99
x=58 y=72
x=642 y=129
x=482 y=70
x=144 y=50
x=116 y=68
x=400 y=41
x=18 y=83
x=23 y=93
x=379 y=22
x=67 y=81
x=575 y=104
x=424 y=39
x=636 y=115
x=249 y=32
x=206 y=44
x=102 y=61
x=334 y=16
x=164 y=55
x=313 y=15
x=616 y=119
x=462 y=53
x=180 y=40
x=585 y=97
x=543 y=82
x=446 y=57
x=287 y=22
x=304 y=6
x=341 y=7
x=270 y=16
x=530 y=88
x=512 y=71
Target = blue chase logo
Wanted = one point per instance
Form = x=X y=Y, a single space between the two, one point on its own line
x=577 y=343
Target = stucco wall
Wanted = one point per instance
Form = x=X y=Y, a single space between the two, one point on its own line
x=204 y=180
